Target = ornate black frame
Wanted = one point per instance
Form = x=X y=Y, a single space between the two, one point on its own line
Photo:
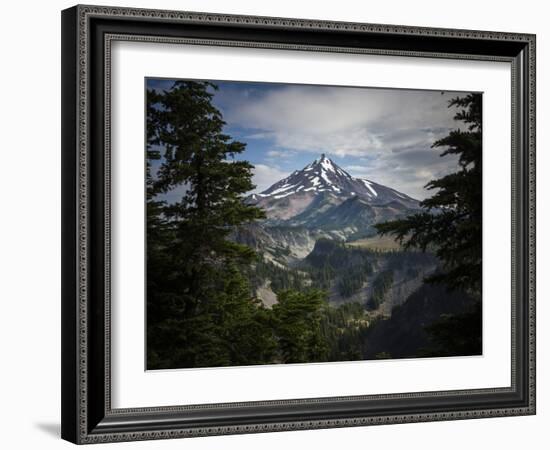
x=87 y=416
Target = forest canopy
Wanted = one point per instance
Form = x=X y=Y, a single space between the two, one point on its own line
x=203 y=308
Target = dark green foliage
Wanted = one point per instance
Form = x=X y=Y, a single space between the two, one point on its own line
x=345 y=328
x=408 y=333
x=352 y=281
x=199 y=309
x=281 y=278
x=330 y=253
x=451 y=222
x=354 y=278
x=458 y=334
x=322 y=277
x=297 y=324
x=201 y=283
x=451 y=225
x=331 y=260
x=333 y=263
x=380 y=286
x=231 y=329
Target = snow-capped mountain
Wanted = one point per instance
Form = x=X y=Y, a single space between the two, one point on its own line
x=323 y=175
x=309 y=197
x=321 y=202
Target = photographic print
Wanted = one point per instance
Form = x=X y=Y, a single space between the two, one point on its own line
x=328 y=249
x=291 y=223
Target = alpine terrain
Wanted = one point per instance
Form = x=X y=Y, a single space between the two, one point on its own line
x=322 y=195
x=322 y=266
x=319 y=232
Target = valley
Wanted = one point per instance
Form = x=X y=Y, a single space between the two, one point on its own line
x=319 y=233
x=257 y=253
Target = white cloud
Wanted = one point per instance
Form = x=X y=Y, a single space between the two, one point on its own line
x=257 y=135
x=384 y=134
x=285 y=154
x=344 y=121
x=264 y=176
x=406 y=171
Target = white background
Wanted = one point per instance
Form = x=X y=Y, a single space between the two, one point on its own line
x=133 y=387
x=30 y=225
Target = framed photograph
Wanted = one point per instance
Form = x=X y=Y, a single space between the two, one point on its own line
x=279 y=224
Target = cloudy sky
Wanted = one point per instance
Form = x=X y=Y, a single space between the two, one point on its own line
x=383 y=135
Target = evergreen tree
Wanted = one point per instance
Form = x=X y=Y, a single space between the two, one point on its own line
x=297 y=324
x=193 y=281
x=451 y=225
x=451 y=222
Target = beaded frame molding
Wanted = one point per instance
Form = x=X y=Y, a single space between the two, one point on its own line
x=87 y=35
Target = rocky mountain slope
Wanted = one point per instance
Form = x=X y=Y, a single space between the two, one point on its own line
x=312 y=217
x=324 y=197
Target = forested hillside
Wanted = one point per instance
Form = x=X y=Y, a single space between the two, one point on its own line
x=299 y=272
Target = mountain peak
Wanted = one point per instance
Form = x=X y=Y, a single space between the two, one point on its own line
x=324 y=177
x=321 y=160
x=324 y=164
